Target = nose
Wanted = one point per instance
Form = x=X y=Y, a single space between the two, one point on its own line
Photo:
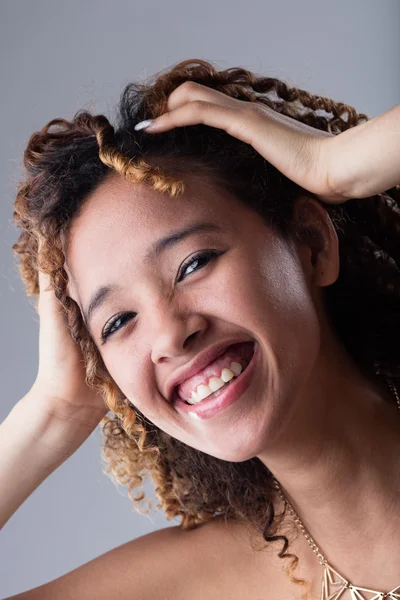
x=174 y=335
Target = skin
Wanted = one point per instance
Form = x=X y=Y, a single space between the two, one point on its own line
x=330 y=435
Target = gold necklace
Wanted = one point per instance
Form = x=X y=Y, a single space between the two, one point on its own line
x=333 y=584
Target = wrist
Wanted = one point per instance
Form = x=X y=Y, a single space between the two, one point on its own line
x=32 y=426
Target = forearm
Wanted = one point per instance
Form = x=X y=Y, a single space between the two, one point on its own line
x=365 y=160
x=24 y=460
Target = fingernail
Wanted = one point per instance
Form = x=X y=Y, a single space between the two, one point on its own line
x=143 y=124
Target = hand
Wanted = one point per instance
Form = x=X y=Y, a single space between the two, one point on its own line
x=297 y=150
x=60 y=392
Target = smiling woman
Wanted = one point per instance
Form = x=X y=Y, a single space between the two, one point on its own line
x=170 y=251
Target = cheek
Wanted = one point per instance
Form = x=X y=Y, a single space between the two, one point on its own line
x=122 y=369
x=270 y=289
x=136 y=383
x=293 y=326
x=276 y=304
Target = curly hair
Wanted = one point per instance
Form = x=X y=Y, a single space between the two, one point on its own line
x=67 y=160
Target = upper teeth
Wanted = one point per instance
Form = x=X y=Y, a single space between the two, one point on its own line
x=215 y=383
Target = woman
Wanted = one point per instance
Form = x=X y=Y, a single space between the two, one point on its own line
x=231 y=279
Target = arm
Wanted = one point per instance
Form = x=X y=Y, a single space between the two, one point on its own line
x=24 y=459
x=141 y=569
x=365 y=160
x=35 y=440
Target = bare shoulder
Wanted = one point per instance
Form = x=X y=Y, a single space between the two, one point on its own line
x=142 y=569
x=213 y=560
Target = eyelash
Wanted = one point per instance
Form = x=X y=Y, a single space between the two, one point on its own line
x=106 y=333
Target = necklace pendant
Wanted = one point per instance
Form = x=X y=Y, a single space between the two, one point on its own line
x=334 y=586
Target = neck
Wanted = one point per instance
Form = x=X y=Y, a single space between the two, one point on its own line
x=337 y=462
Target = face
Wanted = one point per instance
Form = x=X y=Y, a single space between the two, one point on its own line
x=252 y=286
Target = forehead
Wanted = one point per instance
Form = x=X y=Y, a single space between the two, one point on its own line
x=120 y=220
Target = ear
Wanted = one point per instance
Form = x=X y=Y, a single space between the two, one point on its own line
x=316 y=241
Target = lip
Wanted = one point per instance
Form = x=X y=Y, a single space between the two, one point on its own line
x=200 y=362
x=206 y=409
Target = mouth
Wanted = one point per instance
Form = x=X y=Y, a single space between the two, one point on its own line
x=233 y=391
x=244 y=350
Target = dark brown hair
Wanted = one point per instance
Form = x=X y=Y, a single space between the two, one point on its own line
x=67 y=160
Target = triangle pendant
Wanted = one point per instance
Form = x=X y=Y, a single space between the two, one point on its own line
x=334 y=586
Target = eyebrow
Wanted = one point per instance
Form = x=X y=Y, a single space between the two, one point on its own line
x=101 y=295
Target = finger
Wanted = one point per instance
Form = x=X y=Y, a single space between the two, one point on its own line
x=249 y=122
x=189 y=91
x=44 y=281
x=235 y=121
x=47 y=300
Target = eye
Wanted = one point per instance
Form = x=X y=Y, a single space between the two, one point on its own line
x=109 y=328
x=201 y=257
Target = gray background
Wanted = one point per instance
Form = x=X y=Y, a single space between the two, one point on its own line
x=58 y=57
